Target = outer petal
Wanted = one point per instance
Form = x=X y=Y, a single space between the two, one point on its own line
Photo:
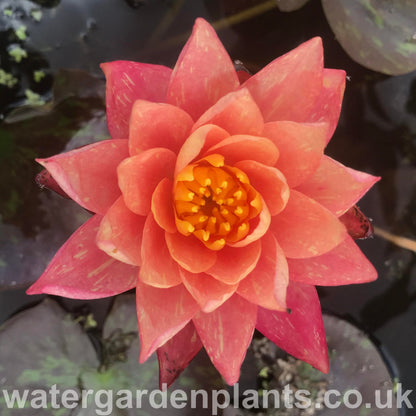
x=139 y=175
x=201 y=139
x=357 y=224
x=301 y=147
x=158 y=268
x=207 y=291
x=225 y=342
x=127 y=82
x=337 y=187
x=305 y=228
x=162 y=206
x=269 y=181
x=266 y=285
x=88 y=174
x=120 y=233
x=288 y=87
x=300 y=333
x=203 y=73
x=237 y=112
x=343 y=265
x=175 y=355
x=234 y=264
x=157 y=125
x=161 y=313
x=245 y=147
x=80 y=270
x=328 y=105
x=190 y=253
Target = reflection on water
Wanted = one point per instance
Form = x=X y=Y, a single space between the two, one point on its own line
x=377 y=134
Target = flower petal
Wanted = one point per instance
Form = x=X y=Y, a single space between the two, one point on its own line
x=201 y=139
x=127 y=82
x=266 y=285
x=357 y=224
x=120 y=233
x=162 y=206
x=234 y=264
x=190 y=253
x=288 y=87
x=207 y=291
x=161 y=313
x=305 y=228
x=236 y=112
x=139 y=175
x=301 y=147
x=80 y=270
x=337 y=187
x=258 y=229
x=344 y=265
x=158 y=268
x=225 y=342
x=245 y=147
x=175 y=355
x=300 y=333
x=328 y=105
x=203 y=73
x=269 y=181
x=157 y=125
x=89 y=174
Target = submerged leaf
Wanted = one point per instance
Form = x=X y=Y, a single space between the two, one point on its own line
x=290 y=5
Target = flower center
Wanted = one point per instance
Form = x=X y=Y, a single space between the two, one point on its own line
x=214 y=202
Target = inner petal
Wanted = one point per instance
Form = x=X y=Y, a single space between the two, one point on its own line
x=215 y=202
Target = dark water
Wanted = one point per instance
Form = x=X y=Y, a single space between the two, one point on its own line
x=376 y=134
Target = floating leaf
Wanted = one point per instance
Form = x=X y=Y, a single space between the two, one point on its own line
x=380 y=35
x=21 y=32
x=290 y=5
x=7 y=79
x=17 y=53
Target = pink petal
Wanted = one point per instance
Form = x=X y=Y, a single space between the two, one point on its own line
x=203 y=73
x=161 y=313
x=343 y=265
x=207 y=291
x=266 y=285
x=162 y=206
x=300 y=333
x=201 y=139
x=45 y=180
x=269 y=181
x=258 y=226
x=80 y=270
x=157 y=125
x=305 y=228
x=190 y=253
x=289 y=86
x=120 y=233
x=226 y=334
x=236 y=112
x=245 y=147
x=127 y=82
x=158 y=268
x=356 y=223
x=88 y=174
x=327 y=107
x=234 y=264
x=175 y=355
x=139 y=175
x=337 y=187
x=301 y=147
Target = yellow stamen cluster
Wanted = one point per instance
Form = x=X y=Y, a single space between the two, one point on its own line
x=214 y=202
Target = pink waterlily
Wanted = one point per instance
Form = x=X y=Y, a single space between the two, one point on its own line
x=214 y=199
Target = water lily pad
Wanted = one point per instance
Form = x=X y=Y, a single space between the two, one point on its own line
x=380 y=35
x=290 y=5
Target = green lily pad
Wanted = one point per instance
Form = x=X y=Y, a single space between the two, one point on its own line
x=380 y=35
x=290 y=5
x=42 y=347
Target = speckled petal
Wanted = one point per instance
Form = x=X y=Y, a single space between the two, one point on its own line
x=80 y=270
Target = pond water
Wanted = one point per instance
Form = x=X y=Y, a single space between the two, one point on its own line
x=376 y=134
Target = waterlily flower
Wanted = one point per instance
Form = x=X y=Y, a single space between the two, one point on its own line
x=214 y=199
